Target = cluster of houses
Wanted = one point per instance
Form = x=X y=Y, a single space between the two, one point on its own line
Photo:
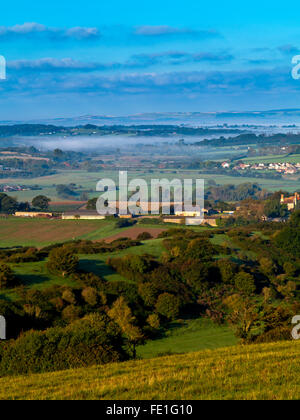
x=283 y=168
x=12 y=188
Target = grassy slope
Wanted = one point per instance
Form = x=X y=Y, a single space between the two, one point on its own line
x=269 y=371
x=187 y=336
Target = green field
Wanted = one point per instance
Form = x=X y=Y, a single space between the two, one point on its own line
x=86 y=181
x=273 y=159
x=186 y=336
x=34 y=275
x=268 y=372
x=41 y=232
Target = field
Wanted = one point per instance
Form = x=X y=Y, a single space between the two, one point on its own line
x=186 y=336
x=273 y=159
x=41 y=232
x=86 y=181
x=268 y=372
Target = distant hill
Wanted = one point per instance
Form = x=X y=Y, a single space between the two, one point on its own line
x=268 y=371
x=268 y=117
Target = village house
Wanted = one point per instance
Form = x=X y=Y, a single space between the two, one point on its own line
x=291 y=202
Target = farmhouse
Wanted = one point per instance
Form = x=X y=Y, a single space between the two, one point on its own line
x=291 y=202
x=82 y=215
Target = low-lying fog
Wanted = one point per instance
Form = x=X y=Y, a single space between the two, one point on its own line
x=89 y=143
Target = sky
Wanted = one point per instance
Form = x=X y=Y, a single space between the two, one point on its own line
x=70 y=58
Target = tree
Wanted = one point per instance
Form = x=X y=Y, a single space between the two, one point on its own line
x=154 y=321
x=288 y=238
x=245 y=284
x=62 y=261
x=228 y=270
x=168 y=305
x=8 y=204
x=243 y=315
x=200 y=249
x=65 y=191
x=148 y=293
x=273 y=208
x=41 y=202
x=91 y=204
x=7 y=278
x=122 y=315
x=90 y=296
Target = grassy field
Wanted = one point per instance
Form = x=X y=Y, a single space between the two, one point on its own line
x=86 y=181
x=273 y=159
x=42 y=232
x=34 y=275
x=269 y=372
x=186 y=336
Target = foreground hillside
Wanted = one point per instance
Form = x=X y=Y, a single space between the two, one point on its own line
x=269 y=371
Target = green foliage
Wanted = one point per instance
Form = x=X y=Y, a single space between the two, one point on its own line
x=228 y=270
x=123 y=223
x=7 y=277
x=244 y=283
x=273 y=208
x=92 y=340
x=144 y=236
x=7 y=204
x=288 y=238
x=62 y=261
x=168 y=305
x=122 y=315
x=41 y=202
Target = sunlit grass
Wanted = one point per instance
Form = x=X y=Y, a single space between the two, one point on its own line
x=269 y=371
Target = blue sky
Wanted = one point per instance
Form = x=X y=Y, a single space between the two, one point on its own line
x=67 y=58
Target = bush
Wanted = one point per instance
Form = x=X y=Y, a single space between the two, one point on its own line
x=7 y=277
x=277 y=334
x=62 y=261
x=144 y=236
x=93 y=340
x=123 y=223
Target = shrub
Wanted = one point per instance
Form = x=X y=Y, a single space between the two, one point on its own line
x=92 y=340
x=7 y=277
x=62 y=261
x=123 y=223
x=144 y=236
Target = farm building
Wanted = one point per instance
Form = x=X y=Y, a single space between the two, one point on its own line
x=82 y=215
x=33 y=214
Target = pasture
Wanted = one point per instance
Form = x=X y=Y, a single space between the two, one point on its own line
x=255 y=372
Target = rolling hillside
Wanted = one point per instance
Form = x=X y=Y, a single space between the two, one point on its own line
x=269 y=371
